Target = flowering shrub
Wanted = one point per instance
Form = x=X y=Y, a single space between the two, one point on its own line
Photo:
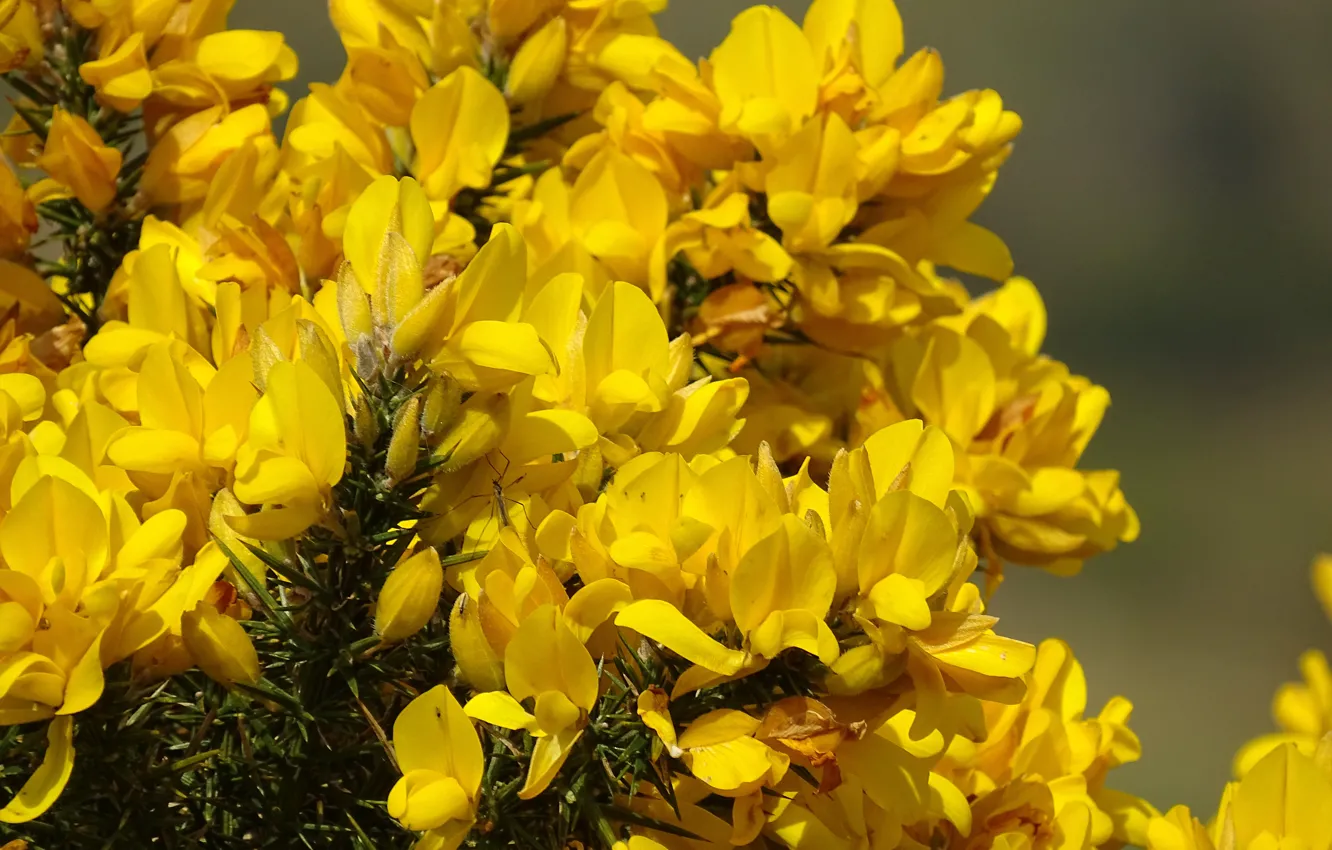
x=550 y=441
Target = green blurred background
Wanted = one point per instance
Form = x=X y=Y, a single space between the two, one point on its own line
x=1172 y=197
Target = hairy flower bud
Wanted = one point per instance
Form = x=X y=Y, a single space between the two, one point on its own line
x=405 y=445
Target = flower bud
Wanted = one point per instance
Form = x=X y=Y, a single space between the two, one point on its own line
x=220 y=646
x=409 y=596
x=75 y=156
x=443 y=401
x=364 y=426
x=353 y=307
x=405 y=445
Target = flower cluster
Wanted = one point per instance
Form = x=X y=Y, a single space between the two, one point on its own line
x=548 y=442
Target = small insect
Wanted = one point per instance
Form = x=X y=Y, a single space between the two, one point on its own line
x=497 y=486
x=500 y=503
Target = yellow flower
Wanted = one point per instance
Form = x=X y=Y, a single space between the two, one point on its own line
x=459 y=128
x=1044 y=738
x=20 y=35
x=719 y=238
x=466 y=327
x=765 y=76
x=546 y=661
x=441 y=762
x=721 y=751
x=811 y=187
x=245 y=63
x=1020 y=422
x=332 y=142
x=617 y=210
x=185 y=160
x=386 y=81
x=781 y=592
x=75 y=156
x=859 y=297
x=294 y=454
x=900 y=543
x=1286 y=796
x=122 y=78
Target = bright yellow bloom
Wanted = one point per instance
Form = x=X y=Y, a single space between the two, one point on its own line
x=386 y=80
x=1043 y=743
x=537 y=63
x=183 y=162
x=766 y=77
x=1021 y=422
x=441 y=762
x=244 y=63
x=459 y=128
x=720 y=238
x=75 y=157
x=617 y=210
x=122 y=78
x=295 y=452
x=546 y=661
x=20 y=35
x=466 y=327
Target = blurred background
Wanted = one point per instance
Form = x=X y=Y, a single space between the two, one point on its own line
x=1171 y=195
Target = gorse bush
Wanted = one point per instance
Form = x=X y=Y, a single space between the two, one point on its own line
x=550 y=442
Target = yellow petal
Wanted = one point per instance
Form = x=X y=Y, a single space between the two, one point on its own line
x=1287 y=796
x=907 y=456
x=460 y=127
x=85 y=682
x=44 y=786
x=425 y=799
x=765 y=74
x=901 y=600
x=433 y=733
x=663 y=622
x=511 y=347
x=548 y=756
x=499 y=709
x=594 y=604
x=544 y=655
x=481 y=666
x=909 y=536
